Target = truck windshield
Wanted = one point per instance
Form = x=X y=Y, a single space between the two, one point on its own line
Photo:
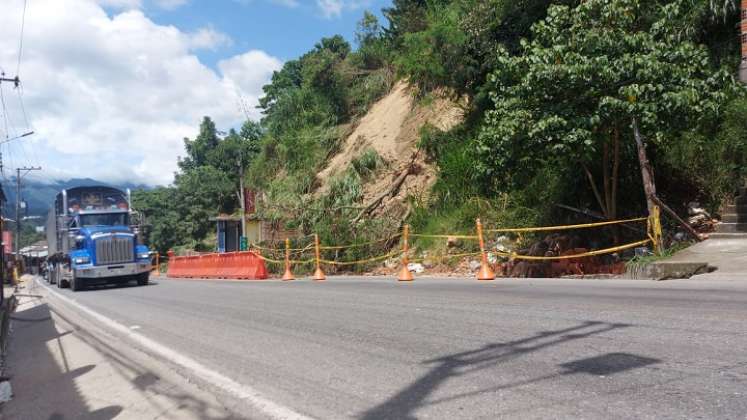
x=105 y=219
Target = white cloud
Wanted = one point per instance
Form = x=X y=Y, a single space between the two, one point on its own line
x=330 y=8
x=170 y=4
x=209 y=38
x=247 y=73
x=112 y=97
x=137 y=4
x=334 y=8
x=121 y=4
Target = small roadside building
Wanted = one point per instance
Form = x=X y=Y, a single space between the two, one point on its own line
x=256 y=230
x=228 y=230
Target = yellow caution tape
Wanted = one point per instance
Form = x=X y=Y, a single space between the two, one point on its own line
x=380 y=258
x=296 y=262
x=568 y=227
x=568 y=257
x=361 y=244
x=446 y=257
x=418 y=235
x=281 y=249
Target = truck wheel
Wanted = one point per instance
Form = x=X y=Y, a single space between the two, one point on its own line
x=77 y=284
x=142 y=279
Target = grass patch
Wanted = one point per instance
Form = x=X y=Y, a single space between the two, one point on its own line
x=642 y=260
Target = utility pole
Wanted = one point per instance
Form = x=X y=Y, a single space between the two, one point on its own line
x=16 y=81
x=743 y=38
x=18 y=204
x=242 y=198
x=2 y=244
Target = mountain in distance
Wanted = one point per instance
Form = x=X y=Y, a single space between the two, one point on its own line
x=39 y=195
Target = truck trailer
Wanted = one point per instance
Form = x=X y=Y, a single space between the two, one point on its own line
x=91 y=239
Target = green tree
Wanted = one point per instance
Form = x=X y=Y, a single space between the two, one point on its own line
x=335 y=44
x=202 y=193
x=367 y=29
x=590 y=76
x=161 y=220
x=372 y=47
x=457 y=47
x=198 y=150
x=405 y=16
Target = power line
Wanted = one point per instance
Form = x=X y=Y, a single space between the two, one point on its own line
x=20 y=39
x=23 y=107
x=4 y=107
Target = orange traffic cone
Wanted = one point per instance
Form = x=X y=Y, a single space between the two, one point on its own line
x=485 y=273
x=405 y=274
x=319 y=275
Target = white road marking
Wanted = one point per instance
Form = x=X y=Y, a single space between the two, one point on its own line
x=241 y=391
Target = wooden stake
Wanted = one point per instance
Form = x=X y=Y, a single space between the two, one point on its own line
x=404 y=273
x=485 y=273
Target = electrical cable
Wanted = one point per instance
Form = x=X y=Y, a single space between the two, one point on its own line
x=20 y=40
x=5 y=111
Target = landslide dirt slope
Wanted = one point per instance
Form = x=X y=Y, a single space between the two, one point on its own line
x=392 y=128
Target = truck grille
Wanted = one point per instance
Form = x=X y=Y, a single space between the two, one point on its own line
x=114 y=250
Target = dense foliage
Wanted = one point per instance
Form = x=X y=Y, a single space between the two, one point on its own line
x=551 y=113
x=206 y=184
x=551 y=89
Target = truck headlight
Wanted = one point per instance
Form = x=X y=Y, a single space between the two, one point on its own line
x=82 y=260
x=143 y=255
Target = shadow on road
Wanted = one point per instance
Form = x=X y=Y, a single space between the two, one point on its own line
x=146 y=380
x=110 y=286
x=404 y=404
x=38 y=376
x=46 y=380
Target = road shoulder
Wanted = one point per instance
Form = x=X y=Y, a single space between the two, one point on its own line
x=62 y=366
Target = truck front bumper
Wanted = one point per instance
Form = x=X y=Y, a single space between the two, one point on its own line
x=114 y=270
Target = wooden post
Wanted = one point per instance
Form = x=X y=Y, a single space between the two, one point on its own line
x=647 y=176
x=288 y=275
x=485 y=273
x=318 y=274
x=404 y=273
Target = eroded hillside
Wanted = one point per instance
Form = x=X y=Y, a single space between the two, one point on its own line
x=392 y=129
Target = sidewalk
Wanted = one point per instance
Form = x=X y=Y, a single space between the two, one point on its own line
x=65 y=369
x=727 y=254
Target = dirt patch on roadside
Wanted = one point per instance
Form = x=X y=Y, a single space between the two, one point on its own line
x=392 y=128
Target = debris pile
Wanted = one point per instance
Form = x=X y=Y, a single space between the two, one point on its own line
x=561 y=245
x=699 y=218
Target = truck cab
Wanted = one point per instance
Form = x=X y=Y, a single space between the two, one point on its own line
x=92 y=240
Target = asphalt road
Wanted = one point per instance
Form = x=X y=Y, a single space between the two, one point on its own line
x=456 y=348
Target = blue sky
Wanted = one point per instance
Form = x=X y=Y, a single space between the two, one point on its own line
x=283 y=31
x=112 y=87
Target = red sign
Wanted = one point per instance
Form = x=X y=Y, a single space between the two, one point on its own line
x=250 y=201
x=8 y=241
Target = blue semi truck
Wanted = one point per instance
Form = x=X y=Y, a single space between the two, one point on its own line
x=92 y=241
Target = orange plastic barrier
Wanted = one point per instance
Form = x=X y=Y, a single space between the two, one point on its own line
x=235 y=265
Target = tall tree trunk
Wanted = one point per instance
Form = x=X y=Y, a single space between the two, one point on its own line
x=606 y=178
x=647 y=175
x=615 y=171
x=613 y=182
x=594 y=189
